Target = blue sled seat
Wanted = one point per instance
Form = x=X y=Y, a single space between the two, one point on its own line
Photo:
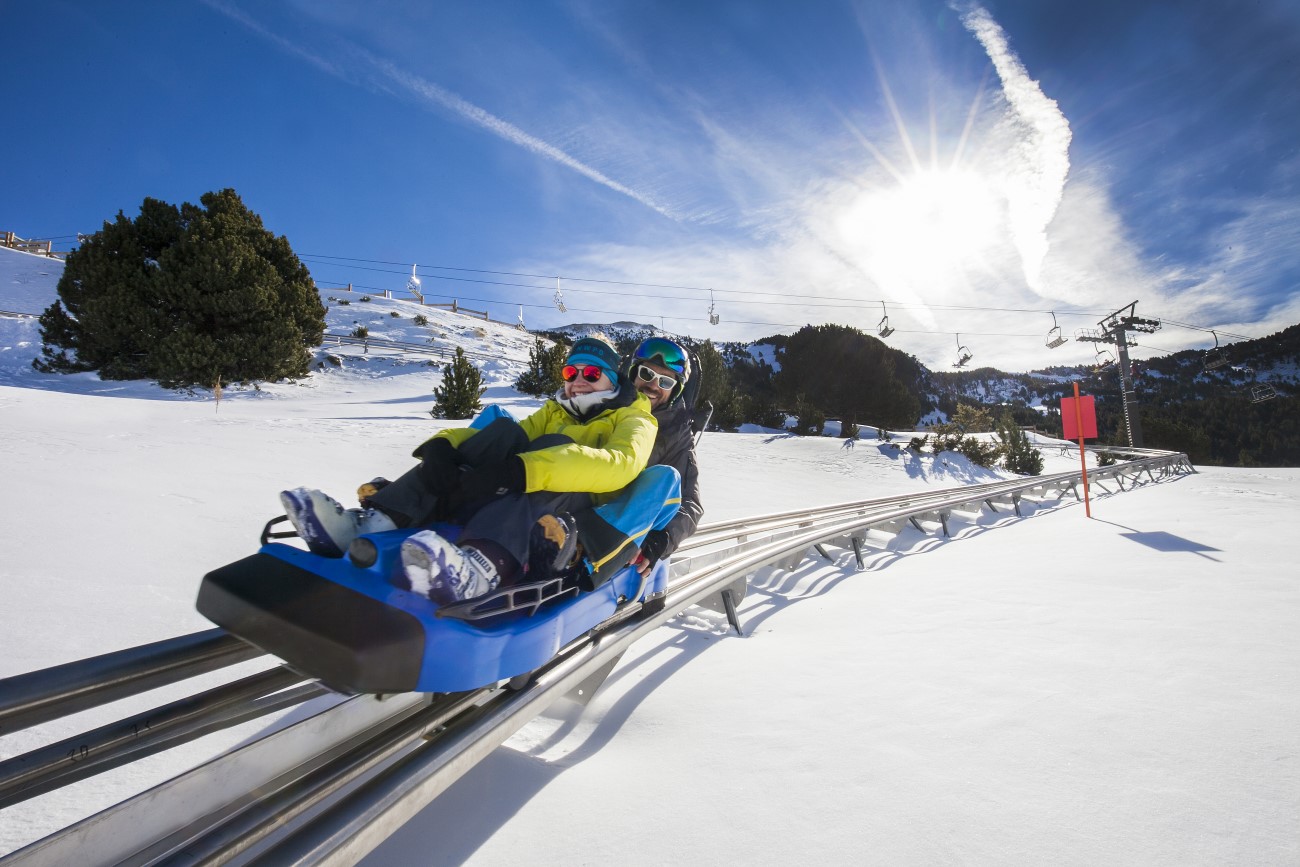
x=353 y=629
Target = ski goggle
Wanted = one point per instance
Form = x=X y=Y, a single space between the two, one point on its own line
x=645 y=374
x=589 y=372
x=663 y=351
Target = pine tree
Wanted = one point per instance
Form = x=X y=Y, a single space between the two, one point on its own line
x=1018 y=455
x=717 y=388
x=462 y=386
x=187 y=296
x=849 y=375
x=542 y=378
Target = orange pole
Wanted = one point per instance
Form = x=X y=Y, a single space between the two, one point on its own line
x=1083 y=460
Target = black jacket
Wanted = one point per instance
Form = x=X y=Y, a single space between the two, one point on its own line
x=675 y=447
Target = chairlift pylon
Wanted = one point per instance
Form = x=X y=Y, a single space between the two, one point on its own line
x=883 y=325
x=1054 y=336
x=713 y=316
x=1215 y=357
x=963 y=354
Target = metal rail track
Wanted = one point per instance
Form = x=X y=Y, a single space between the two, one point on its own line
x=366 y=765
x=401 y=347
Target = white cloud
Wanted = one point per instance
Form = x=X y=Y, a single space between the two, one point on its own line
x=1036 y=179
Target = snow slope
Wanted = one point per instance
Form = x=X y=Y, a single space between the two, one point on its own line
x=1047 y=689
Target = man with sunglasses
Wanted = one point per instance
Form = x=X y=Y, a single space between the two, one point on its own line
x=661 y=369
x=524 y=491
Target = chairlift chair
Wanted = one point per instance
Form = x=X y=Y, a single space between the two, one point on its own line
x=1104 y=359
x=1054 y=337
x=1261 y=392
x=413 y=285
x=558 y=298
x=883 y=326
x=713 y=316
x=963 y=354
x=1215 y=357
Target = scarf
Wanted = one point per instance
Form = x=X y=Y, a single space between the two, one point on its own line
x=583 y=406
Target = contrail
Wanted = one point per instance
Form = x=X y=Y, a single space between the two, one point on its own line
x=429 y=92
x=284 y=44
x=1036 y=183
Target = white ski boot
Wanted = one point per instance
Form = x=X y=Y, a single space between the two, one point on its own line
x=444 y=572
x=327 y=527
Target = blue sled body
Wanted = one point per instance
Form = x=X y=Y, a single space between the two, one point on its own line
x=356 y=630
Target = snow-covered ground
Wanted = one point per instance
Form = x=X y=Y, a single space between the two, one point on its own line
x=1047 y=689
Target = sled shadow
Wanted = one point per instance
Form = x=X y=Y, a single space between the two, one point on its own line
x=1159 y=540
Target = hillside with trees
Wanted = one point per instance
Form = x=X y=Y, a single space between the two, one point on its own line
x=826 y=372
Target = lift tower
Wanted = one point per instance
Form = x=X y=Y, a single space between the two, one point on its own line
x=1114 y=329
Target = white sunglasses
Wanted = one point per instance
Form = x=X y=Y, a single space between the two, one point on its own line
x=645 y=374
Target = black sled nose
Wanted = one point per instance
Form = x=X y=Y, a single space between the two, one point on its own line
x=350 y=641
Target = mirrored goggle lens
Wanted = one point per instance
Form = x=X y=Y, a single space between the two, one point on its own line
x=665 y=352
x=645 y=374
x=591 y=372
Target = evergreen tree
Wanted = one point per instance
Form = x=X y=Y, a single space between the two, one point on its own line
x=846 y=374
x=542 y=377
x=1018 y=455
x=462 y=386
x=188 y=296
x=716 y=387
x=810 y=416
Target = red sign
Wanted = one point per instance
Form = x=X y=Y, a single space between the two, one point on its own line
x=1072 y=417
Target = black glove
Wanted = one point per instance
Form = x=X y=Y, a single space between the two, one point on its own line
x=654 y=546
x=369 y=489
x=480 y=484
x=440 y=465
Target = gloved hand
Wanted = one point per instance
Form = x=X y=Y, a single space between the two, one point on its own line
x=654 y=545
x=481 y=484
x=440 y=465
x=369 y=489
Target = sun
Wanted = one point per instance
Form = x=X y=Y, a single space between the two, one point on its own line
x=927 y=226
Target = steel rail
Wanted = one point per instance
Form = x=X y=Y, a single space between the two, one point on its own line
x=47 y=694
x=41 y=696
x=229 y=836
x=44 y=695
x=76 y=758
x=791 y=534
x=401 y=347
x=354 y=826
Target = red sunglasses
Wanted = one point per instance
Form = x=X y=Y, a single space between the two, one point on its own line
x=591 y=373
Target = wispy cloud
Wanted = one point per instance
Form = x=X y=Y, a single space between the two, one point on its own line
x=316 y=60
x=1036 y=183
x=434 y=95
x=438 y=97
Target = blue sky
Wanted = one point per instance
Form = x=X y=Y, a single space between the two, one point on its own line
x=970 y=166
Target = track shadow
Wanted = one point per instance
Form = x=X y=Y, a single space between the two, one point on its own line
x=461 y=819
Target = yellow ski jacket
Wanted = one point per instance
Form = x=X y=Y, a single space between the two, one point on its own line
x=606 y=454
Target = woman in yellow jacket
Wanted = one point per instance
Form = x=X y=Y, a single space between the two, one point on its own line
x=516 y=487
